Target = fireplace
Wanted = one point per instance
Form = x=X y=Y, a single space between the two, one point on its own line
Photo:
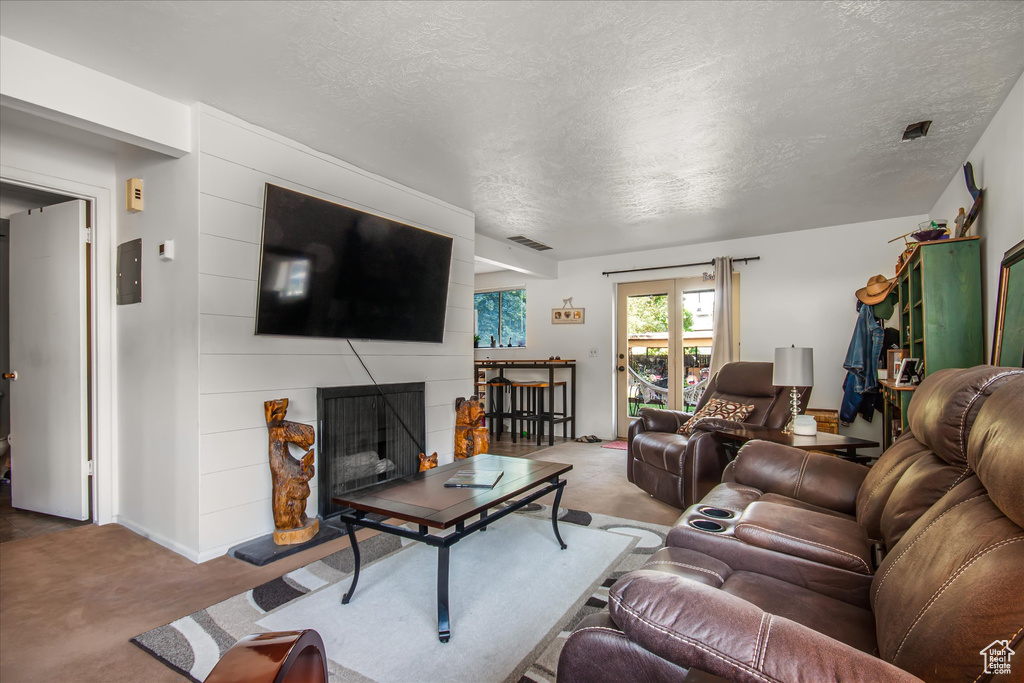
x=362 y=438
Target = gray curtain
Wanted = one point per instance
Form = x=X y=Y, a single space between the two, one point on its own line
x=721 y=332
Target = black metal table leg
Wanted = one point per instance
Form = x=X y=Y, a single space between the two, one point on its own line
x=355 y=556
x=512 y=411
x=554 y=514
x=572 y=434
x=444 y=627
x=565 y=408
x=551 y=408
x=501 y=405
x=539 y=407
x=483 y=516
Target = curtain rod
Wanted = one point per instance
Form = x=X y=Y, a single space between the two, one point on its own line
x=681 y=265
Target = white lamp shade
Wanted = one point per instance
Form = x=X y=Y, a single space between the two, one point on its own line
x=794 y=367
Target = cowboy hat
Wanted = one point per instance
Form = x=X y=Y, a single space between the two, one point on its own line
x=877 y=289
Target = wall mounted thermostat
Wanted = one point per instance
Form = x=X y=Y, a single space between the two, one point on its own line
x=133 y=195
x=167 y=251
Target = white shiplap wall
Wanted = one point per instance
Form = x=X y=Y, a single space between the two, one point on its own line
x=239 y=370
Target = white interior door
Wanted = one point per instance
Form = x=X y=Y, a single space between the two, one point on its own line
x=48 y=323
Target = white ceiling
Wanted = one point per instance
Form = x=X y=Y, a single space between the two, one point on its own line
x=594 y=127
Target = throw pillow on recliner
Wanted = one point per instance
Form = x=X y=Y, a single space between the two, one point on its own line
x=716 y=407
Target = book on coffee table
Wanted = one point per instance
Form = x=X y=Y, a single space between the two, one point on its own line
x=474 y=479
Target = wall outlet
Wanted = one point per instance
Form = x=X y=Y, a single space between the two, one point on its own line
x=593 y=353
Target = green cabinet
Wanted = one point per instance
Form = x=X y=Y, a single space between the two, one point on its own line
x=941 y=318
x=941 y=314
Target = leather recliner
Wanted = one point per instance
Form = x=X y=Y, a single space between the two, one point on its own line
x=943 y=595
x=679 y=469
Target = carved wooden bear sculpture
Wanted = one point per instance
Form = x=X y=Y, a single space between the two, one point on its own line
x=470 y=437
x=290 y=476
x=428 y=462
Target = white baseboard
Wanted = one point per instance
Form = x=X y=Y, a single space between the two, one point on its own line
x=184 y=551
x=214 y=553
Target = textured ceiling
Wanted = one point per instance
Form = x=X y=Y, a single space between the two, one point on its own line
x=594 y=127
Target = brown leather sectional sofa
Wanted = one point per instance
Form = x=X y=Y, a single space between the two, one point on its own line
x=680 y=470
x=805 y=567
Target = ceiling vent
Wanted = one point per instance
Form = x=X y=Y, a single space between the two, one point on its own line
x=527 y=242
x=916 y=130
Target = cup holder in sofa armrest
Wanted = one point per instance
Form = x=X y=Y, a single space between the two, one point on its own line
x=706 y=525
x=717 y=513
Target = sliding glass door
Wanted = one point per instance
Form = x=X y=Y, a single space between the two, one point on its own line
x=663 y=353
x=644 y=362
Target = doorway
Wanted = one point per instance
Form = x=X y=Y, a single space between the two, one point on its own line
x=45 y=268
x=664 y=333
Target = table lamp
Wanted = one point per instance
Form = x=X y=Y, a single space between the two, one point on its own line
x=793 y=368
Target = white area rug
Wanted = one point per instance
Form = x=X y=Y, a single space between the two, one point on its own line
x=513 y=597
x=504 y=582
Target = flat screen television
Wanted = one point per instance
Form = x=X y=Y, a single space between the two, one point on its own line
x=328 y=270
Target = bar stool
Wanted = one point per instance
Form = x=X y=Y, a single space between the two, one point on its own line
x=531 y=410
x=524 y=408
x=496 y=406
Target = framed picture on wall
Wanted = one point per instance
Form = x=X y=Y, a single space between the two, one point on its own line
x=1008 y=340
x=568 y=316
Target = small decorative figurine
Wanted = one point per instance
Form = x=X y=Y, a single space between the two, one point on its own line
x=428 y=462
x=961 y=218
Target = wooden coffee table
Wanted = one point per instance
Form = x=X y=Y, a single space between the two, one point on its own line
x=423 y=500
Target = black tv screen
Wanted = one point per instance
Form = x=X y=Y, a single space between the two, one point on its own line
x=328 y=270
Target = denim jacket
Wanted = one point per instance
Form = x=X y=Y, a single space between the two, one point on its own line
x=855 y=404
x=862 y=356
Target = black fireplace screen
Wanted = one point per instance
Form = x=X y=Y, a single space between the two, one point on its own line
x=362 y=437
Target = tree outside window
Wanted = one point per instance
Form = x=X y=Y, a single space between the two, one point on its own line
x=649 y=313
x=501 y=315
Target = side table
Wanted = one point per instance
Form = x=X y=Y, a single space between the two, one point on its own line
x=844 y=446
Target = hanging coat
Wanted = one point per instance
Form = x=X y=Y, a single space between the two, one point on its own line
x=861 y=364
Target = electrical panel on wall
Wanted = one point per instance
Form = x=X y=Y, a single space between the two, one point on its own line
x=129 y=272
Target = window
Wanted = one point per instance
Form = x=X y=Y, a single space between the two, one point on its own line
x=501 y=315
